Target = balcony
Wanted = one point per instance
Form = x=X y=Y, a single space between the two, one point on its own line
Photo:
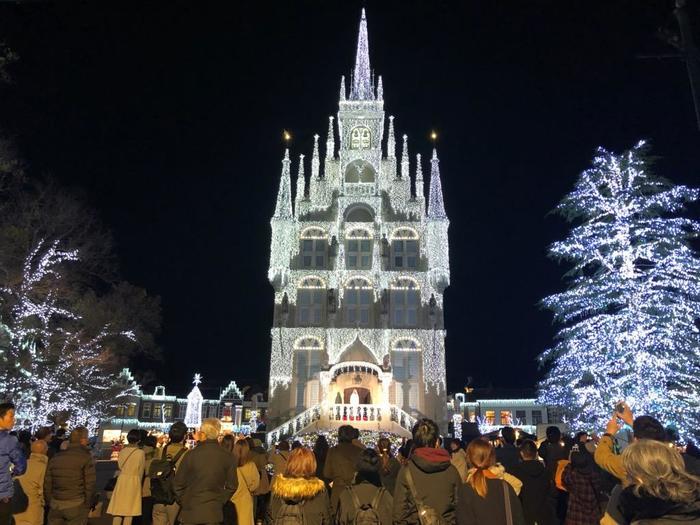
x=360 y=189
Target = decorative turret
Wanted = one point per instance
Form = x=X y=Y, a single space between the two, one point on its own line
x=361 y=88
x=403 y=174
x=391 y=141
x=342 y=88
x=301 y=186
x=315 y=163
x=330 y=141
x=380 y=89
x=420 y=185
x=283 y=208
x=436 y=206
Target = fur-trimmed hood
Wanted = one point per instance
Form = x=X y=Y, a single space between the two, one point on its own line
x=296 y=489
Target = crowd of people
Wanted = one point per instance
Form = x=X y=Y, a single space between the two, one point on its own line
x=234 y=480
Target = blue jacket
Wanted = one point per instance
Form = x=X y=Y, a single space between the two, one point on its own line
x=10 y=454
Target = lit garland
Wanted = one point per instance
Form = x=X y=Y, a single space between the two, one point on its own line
x=629 y=314
x=397 y=215
x=457 y=426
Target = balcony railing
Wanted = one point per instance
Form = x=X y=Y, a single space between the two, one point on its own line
x=360 y=189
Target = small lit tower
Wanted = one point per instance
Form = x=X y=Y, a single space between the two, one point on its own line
x=193 y=413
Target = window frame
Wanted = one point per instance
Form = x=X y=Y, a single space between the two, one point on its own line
x=315 y=289
x=404 y=303
x=363 y=256
x=362 y=294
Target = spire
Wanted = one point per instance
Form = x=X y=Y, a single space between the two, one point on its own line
x=342 y=88
x=391 y=141
x=361 y=88
x=404 y=159
x=314 y=159
x=436 y=206
x=380 y=89
x=283 y=209
x=301 y=184
x=420 y=186
x=330 y=141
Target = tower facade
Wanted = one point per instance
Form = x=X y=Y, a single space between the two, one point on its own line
x=359 y=264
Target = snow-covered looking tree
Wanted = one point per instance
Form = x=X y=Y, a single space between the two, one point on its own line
x=629 y=315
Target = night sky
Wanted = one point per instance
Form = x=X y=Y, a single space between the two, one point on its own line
x=169 y=118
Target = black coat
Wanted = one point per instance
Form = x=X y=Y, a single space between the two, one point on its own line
x=435 y=479
x=472 y=509
x=311 y=494
x=365 y=492
x=204 y=481
x=340 y=469
x=646 y=509
x=535 y=493
x=508 y=456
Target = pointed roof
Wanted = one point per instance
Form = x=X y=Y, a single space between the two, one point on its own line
x=361 y=88
x=283 y=208
x=436 y=205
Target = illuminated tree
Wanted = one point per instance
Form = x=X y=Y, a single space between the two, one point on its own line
x=628 y=318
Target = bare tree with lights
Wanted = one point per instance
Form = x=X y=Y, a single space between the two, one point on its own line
x=628 y=318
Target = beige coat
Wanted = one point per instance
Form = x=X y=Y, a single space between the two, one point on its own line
x=32 y=482
x=248 y=481
x=126 y=498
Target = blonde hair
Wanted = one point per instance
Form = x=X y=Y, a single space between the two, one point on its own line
x=482 y=456
x=211 y=428
x=658 y=470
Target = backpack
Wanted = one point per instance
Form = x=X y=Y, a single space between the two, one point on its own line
x=427 y=515
x=162 y=475
x=290 y=514
x=368 y=513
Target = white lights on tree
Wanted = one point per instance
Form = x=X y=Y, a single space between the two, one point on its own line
x=193 y=413
x=629 y=316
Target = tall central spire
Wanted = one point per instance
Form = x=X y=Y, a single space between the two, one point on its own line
x=361 y=88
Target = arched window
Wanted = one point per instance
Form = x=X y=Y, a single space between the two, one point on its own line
x=360 y=138
x=405 y=367
x=358 y=250
x=405 y=345
x=405 y=301
x=358 y=302
x=307 y=365
x=310 y=301
x=404 y=249
x=308 y=343
x=314 y=246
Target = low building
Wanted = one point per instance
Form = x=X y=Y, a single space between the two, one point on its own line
x=239 y=411
x=500 y=409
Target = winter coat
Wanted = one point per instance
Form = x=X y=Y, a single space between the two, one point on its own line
x=32 y=483
x=340 y=469
x=535 y=493
x=126 y=498
x=472 y=509
x=204 y=481
x=310 y=493
x=459 y=460
x=248 y=481
x=648 y=510
x=365 y=492
x=435 y=480
x=388 y=477
x=259 y=456
x=584 y=496
x=10 y=454
x=279 y=461
x=508 y=456
x=551 y=454
x=70 y=476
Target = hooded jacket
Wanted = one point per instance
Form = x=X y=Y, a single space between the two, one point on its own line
x=340 y=469
x=535 y=492
x=10 y=454
x=365 y=492
x=436 y=481
x=310 y=493
x=648 y=510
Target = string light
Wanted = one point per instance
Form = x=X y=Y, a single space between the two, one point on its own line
x=384 y=190
x=627 y=319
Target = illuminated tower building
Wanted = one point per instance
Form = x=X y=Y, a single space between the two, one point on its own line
x=359 y=265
